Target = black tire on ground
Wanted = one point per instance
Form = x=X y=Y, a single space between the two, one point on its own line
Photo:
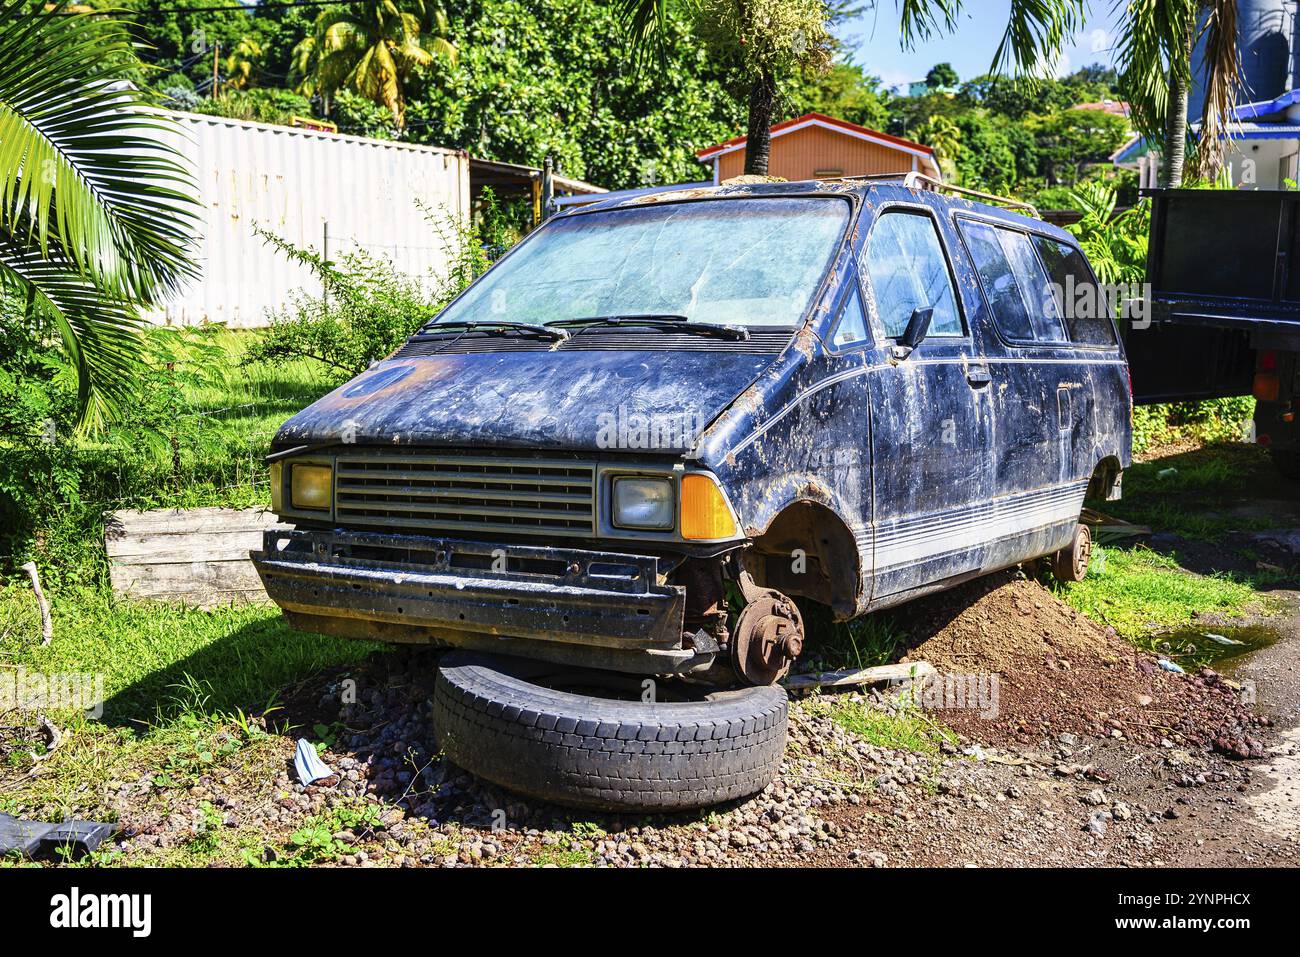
x=1070 y=564
x=493 y=718
x=1287 y=462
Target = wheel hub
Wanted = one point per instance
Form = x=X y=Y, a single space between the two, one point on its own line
x=767 y=638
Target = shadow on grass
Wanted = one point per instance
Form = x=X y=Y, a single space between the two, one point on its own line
x=249 y=669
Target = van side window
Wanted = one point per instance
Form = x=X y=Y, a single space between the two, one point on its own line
x=1087 y=311
x=908 y=271
x=1014 y=282
x=851 y=327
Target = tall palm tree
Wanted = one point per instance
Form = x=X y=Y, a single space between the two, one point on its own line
x=1035 y=34
x=95 y=210
x=1154 y=57
x=242 y=63
x=372 y=48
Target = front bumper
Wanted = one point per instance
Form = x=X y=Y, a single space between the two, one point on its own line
x=584 y=608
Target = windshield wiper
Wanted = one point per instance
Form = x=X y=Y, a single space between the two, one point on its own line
x=494 y=325
x=660 y=321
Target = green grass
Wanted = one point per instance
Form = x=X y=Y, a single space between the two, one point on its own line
x=160 y=660
x=243 y=413
x=860 y=643
x=908 y=729
x=576 y=857
x=178 y=686
x=1190 y=493
x=1139 y=592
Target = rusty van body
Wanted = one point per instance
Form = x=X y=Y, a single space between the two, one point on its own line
x=852 y=393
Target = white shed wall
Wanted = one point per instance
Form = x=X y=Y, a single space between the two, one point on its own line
x=297 y=184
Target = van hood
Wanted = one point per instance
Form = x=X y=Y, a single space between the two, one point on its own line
x=571 y=401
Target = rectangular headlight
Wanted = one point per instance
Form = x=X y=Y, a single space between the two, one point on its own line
x=311 y=486
x=644 y=503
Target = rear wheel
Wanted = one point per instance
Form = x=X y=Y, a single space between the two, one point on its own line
x=541 y=731
x=1070 y=564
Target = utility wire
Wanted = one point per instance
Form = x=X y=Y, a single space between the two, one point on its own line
x=249 y=8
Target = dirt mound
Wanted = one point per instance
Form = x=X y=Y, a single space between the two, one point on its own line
x=994 y=623
x=1061 y=673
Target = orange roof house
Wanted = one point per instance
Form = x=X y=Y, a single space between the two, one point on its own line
x=815 y=146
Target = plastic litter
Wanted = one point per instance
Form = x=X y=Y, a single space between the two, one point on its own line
x=308 y=764
x=1168 y=665
x=1222 y=639
x=80 y=837
x=21 y=836
x=30 y=838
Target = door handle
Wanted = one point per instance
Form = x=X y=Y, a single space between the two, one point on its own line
x=978 y=376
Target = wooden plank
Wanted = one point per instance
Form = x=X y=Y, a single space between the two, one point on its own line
x=165 y=521
x=861 y=676
x=197 y=557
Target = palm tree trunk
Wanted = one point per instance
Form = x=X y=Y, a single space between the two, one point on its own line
x=1175 y=151
x=758 y=142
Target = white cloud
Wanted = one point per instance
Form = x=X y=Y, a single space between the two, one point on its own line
x=893 y=79
x=1059 y=67
x=1100 y=41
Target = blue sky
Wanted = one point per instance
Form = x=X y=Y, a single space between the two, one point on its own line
x=874 y=39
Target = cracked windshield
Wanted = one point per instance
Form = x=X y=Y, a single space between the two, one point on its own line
x=752 y=263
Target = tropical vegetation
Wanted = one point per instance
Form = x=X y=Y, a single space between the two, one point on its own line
x=94 y=206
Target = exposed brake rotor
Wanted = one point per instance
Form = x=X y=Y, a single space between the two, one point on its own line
x=768 y=635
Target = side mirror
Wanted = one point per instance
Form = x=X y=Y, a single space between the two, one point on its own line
x=917 y=328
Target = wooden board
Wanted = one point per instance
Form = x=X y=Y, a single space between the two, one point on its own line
x=196 y=556
x=860 y=676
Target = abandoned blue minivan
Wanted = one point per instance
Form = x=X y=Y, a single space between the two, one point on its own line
x=610 y=472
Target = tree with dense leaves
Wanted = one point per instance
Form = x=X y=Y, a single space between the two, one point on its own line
x=764 y=39
x=1154 y=56
x=942 y=76
x=372 y=48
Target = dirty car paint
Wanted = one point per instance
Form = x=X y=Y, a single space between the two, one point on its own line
x=531 y=400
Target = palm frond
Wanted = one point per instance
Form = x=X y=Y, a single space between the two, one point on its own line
x=1035 y=34
x=82 y=155
x=99 y=333
x=1222 y=84
x=96 y=208
x=1152 y=51
x=646 y=22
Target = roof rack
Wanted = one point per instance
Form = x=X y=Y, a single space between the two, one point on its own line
x=915 y=180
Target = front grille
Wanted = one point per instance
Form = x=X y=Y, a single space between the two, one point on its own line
x=454 y=493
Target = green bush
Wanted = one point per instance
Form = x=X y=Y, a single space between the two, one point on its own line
x=1213 y=420
x=273 y=106
x=367 y=308
x=56 y=483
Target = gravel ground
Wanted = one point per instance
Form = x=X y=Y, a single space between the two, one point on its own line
x=1065 y=798
x=1096 y=758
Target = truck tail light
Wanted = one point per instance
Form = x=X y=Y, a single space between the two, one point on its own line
x=1267 y=386
x=705 y=515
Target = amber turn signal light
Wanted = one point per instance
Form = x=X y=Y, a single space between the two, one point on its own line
x=277 y=487
x=705 y=515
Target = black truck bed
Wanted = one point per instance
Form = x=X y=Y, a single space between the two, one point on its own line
x=1224 y=285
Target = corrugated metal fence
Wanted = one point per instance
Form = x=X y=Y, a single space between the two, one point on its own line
x=311 y=189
